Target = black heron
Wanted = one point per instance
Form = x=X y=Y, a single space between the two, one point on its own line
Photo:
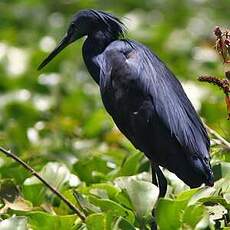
x=144 y=98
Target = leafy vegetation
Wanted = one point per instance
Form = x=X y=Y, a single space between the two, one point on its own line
x=54 y=120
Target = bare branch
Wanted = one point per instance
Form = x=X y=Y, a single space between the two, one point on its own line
x=34 y=173
x=223 y=142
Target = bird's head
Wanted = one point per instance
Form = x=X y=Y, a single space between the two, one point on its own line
x=87 y=23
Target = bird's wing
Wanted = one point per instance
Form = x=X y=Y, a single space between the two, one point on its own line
x=168 y=97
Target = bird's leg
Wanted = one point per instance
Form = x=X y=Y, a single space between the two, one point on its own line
x=154 y=178
x=162 y=182
x=154 y=181
x=159 y=180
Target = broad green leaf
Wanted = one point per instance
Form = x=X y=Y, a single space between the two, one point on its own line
x=96 y=222
x=14 y=223
x=110 y=189
x=131 y=165
x=85 y=204
x=192 y=216
x=28 y=192
x=212 y=200
x=123 y=199
x=53 y=172
x=92 y=170
x=202 y=193
x=169 y=213
x=113 y=208
x=45 y=221
x=123 y=224
x=187 y=195
x=143 y=196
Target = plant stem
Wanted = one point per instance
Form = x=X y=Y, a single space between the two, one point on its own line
x=224 y=142
x=34 y=173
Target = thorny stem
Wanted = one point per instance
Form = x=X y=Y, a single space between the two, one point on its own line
x=223 y=142
x=34 y=173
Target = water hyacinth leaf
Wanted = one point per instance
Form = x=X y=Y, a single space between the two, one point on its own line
x=44 y=221
x=122 y=223
x=143 y=196
x=212 y=200
x=193 y=215
x=202 y=193
x=28 y=192
x=169 y=213
x=123 y=199
x=110 y=189
x=96 y=222
x=187 y=195
x=115 y=209
x=92 y=169
x=131 y=165
x=57 y=174
x=85 y=204
x=14 y=223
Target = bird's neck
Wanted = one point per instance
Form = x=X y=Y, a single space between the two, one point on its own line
x=93 y=46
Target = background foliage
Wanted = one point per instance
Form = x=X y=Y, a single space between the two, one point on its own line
x=55 y=121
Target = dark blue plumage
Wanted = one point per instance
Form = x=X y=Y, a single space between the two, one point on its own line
x=144 y=98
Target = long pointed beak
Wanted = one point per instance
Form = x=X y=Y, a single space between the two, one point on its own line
x=64 y=42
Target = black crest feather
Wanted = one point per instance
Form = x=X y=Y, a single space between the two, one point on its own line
x=112 y=23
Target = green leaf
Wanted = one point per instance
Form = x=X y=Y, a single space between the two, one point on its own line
x=110 y=189
x=192 y=216
x=131 y=165
x=91 y=170
x=123 y=224
x=113 y=208
x=169 y=213
x=14 y=223
x=96 y=222
x=28 y=192
x=85 y=204
x=45 y=221
x=123 y=199
x=202 y=193
x=143 y=196
x=53 y=172
x=187 y=195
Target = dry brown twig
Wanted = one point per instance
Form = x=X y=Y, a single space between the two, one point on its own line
x=223 y=48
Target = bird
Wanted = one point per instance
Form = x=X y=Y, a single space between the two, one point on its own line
x=144 y=98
